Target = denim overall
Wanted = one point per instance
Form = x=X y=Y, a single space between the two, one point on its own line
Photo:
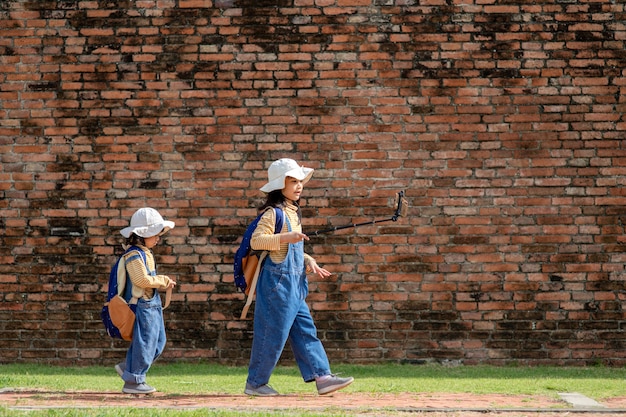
x=281 y=314
x=148 y=337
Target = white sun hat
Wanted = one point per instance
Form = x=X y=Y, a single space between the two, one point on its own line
x=147 y=222
x=283 y=168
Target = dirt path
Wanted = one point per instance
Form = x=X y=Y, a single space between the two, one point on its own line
x=356 y=403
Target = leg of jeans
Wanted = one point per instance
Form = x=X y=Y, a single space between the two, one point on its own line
x=274 y=312
x=308 y=350
x=148 y=340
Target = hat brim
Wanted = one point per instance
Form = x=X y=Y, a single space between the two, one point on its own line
x=148 y=231
x=301 y=173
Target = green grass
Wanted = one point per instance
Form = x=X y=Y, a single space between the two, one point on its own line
x=595 y=382
x=201 y=378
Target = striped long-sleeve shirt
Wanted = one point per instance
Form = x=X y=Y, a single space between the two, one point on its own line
x=144 y=283
x=264 y=237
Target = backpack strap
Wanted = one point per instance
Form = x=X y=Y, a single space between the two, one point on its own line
x=280 y=220
x=278 y=227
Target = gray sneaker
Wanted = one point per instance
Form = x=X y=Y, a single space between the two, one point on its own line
x=332 y=384
x=120 y=368
x=137 y=388
x=262 y=391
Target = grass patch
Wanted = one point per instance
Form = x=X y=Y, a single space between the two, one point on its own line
x=204 y=378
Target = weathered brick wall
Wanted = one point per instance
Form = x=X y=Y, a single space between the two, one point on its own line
x=503 y=120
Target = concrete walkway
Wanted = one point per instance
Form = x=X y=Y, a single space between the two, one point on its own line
x=579 y=401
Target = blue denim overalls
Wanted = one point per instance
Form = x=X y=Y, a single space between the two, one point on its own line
x=148 y=337
x=281 y=313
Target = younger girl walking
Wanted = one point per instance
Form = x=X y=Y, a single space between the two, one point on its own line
x=281 y=312
x=146 y=227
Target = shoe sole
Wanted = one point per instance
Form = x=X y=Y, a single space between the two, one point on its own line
x=134 y=391
x=333 y=388
x=256 y=394
x=253 y=392
x=119 y=370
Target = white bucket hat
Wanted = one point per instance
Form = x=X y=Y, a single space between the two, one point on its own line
x=147 y=222
x=279 y=170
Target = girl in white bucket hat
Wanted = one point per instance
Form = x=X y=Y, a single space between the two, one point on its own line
x=146 y=227
x=281 y=312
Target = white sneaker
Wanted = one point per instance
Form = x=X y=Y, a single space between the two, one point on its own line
x=120 y=368
x=332 y=384
x=262 y=391
x=137 y=388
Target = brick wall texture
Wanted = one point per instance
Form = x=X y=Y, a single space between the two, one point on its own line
x=503 y=120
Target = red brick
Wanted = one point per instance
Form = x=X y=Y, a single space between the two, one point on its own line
x=512 y=167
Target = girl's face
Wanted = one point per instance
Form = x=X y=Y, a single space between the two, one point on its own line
x=293 y=189
x=151 y=241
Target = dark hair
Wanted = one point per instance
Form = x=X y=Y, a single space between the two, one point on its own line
x=277 y=199
x=134 y=240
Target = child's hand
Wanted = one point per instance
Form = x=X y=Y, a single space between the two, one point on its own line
x=293 y=237
x=171 y=284
x=316 y=269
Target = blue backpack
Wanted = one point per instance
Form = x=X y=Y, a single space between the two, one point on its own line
x=120 y=293
x=246 y=259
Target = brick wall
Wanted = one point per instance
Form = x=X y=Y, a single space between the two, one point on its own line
x=502 y=120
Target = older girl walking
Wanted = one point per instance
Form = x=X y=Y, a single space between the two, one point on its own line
x=281 y=312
